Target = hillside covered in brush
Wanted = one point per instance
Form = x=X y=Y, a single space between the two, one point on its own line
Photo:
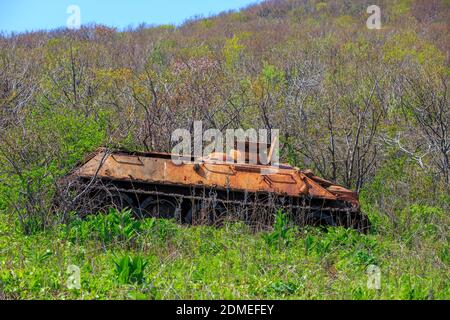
x=365 y=108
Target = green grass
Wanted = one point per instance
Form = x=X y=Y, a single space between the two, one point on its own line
x=120 y=258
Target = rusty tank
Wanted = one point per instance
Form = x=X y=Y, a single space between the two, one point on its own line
x=209 y=190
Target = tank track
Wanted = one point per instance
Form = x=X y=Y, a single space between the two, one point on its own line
x=198 y=205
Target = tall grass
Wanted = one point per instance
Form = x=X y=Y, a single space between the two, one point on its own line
x=160 y=259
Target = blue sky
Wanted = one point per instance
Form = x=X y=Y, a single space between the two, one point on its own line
x=29 y=15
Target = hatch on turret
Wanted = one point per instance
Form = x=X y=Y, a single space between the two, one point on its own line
x=248 y=152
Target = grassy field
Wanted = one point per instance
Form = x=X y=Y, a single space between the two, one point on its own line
x=364 y=108
x=121 y=258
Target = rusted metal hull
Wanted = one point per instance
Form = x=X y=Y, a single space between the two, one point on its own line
x=190 y=190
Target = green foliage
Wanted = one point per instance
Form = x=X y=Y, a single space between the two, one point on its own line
x=281 y=288
x=409 y=46
x=162 y=230
x=283 y=233
x=74 y=133
x=34 y=166
x=41 y=257
x=279 y=65
x=392 y=206
x=232 y=51
x=207 y=23
x=116 y=226
x=345 y=21
x=321 y=6
x=358 y=248
x=209 y=244
x=197 y=51
x=229 y=263
x=130 y=269
x=290 y=153
x=401 y=7
x=272 y=76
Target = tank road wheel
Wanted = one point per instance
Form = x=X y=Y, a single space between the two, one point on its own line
x=206 y=214
x=219 y=214
x=359 y=222
x=187 y=218
x=320 y=218
x=158 y=208
x=193 y=209
x=120 y=201
x=364 y=224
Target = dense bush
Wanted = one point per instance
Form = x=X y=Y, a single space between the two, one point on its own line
x=367 y=109
x=130 y=269
x=226 y=262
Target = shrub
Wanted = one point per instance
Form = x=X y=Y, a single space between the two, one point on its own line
x=283 y=233
x=115 y=226
x=281 y=288
x=130 y=269
x=162 y=229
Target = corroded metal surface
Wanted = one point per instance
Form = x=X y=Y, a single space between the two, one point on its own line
x=158 y=168
x=151 y=183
